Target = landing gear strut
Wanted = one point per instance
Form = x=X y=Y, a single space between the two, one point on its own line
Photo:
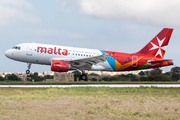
x=28 y=70
x=83 y=76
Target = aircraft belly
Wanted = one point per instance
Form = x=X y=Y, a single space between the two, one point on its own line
x=106 y=66
x=97 y=67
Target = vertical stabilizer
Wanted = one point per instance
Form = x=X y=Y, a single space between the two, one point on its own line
x=156 y=48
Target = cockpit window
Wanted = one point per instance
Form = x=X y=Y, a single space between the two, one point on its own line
x=17 y=47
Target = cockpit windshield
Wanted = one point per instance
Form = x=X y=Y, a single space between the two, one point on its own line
x=17 y=47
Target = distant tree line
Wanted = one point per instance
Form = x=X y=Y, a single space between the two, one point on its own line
x=35 y=77
x=10 y=77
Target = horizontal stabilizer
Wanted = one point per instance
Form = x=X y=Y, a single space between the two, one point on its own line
x=160 y=61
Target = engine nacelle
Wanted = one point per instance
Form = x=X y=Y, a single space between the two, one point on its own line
x=60 y=66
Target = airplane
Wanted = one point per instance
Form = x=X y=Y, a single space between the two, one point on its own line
x=64 y=58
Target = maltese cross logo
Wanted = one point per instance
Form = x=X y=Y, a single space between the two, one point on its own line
x=159 y=47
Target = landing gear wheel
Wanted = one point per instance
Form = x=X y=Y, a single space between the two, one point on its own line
x=27 y=71
x=28 y=68
x=83 y=77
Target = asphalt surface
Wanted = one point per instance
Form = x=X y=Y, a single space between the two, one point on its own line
x=95 y=85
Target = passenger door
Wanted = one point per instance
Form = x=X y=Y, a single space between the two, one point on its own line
x=29 y=50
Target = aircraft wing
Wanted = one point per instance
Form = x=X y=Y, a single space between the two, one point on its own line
x=88 y=62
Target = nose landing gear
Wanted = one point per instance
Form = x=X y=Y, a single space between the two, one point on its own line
x=28 y=70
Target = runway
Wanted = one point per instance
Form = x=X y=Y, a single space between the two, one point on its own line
x=93 y=85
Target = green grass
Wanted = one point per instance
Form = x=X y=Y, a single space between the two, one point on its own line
x=105 y=91
x=90 y=103
x=83 y=82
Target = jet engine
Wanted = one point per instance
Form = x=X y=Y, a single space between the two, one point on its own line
x=60 y=66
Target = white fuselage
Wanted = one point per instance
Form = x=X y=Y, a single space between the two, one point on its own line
x=43 y=54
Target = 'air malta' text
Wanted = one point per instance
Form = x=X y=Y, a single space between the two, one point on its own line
x=56 y=51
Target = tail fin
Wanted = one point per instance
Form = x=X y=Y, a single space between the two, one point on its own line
x=156 y=47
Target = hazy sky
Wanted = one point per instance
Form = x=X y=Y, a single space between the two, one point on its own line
x=116 y=25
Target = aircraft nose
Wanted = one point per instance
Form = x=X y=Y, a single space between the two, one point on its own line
x=7 y=53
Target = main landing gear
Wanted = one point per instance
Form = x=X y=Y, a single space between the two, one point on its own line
x=83 y=76
x=28 y=70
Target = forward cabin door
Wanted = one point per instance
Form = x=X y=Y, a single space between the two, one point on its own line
x=29 y=50
x=134 y=61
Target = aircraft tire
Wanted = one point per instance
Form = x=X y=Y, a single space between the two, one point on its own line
x=83 y=77
x=27 y=71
